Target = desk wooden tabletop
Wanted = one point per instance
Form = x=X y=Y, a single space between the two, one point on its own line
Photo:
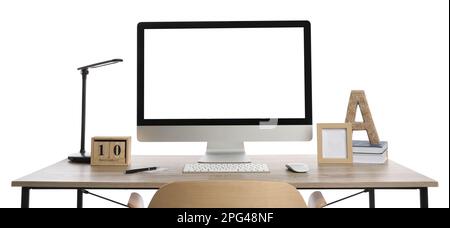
x=69 y=175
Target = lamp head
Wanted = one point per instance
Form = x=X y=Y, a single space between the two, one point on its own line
x=100 y=64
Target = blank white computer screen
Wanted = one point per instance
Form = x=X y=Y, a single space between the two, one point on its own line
x=224 y=73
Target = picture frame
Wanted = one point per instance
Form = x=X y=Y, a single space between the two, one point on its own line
x=334 y=143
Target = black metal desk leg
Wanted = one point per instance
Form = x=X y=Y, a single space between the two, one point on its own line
x=423 y=197
x=371 y=197
x=25 y=197
x=79 y=198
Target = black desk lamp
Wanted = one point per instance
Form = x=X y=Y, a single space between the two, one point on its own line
x=82 y=157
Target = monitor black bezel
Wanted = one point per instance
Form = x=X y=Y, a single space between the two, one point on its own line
x=142 y=26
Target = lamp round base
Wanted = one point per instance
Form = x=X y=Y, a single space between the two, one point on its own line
x=79 y=158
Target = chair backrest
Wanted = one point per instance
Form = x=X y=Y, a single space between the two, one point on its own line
x=227 y=194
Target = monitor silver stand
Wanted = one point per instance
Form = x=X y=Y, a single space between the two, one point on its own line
x=225 y=152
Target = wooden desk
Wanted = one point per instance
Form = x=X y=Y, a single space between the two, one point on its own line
x=66 y=175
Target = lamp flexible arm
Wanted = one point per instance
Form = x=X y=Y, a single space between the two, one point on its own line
x=84 y=73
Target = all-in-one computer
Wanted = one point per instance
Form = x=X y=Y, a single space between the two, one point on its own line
x=224 y=83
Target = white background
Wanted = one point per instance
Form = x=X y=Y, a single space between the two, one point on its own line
x=397 y=51
x=224 y=73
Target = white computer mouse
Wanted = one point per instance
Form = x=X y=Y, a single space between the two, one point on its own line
x=298 y=167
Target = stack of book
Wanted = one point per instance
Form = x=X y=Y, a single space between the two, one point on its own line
x=364 y=152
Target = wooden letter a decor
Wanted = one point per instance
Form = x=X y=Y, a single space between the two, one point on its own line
x=358 y=97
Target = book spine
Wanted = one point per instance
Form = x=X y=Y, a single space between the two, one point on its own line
x=369 y=150
x=370 y=158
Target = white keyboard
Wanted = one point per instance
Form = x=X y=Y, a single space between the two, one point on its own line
x=226 y=168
